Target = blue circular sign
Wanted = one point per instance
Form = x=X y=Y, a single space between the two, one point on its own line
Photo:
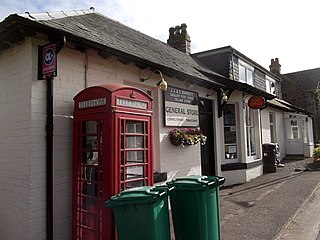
x=49 y=56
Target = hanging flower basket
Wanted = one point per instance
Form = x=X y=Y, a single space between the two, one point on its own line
x=186 y=136
x=316 y=155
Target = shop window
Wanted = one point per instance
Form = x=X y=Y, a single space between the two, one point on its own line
x=250 y=131
x=230 y=132
x=294 y=129
x=245 y=72
x=272 y=124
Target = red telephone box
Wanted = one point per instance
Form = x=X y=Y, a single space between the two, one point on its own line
x=112 y=152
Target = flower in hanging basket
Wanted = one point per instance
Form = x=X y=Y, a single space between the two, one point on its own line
x=187 y=136
x=316 y=154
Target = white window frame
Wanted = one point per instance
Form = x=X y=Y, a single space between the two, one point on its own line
x=247 y=69
x=251 y=127
x=272 y=124
x=270 y=85
x=294 y=127
x=232 y=147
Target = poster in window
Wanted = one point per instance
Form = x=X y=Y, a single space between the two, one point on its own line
x=232 y=149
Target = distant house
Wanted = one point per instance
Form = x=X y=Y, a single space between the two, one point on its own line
x=309 y=80
x=281 y=122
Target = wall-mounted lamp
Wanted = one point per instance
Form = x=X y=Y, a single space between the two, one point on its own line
x=224 y=97
x=162 y=84
x=222 y=100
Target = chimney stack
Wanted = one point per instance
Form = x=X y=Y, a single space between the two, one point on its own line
x=275 y=67
x=179 y=38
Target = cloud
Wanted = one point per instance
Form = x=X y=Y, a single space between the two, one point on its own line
x=261 y=31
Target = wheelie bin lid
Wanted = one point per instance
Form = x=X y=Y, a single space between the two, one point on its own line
x=196 y=182
x=139 y=195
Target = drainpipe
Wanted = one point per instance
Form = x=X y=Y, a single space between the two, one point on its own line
x=49 y=152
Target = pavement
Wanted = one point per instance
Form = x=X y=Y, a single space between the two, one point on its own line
x=277 y=206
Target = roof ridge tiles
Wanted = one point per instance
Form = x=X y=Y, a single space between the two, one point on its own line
x=55 y=14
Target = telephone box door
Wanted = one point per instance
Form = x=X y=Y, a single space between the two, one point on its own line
x=88 y=202
x=134 y=151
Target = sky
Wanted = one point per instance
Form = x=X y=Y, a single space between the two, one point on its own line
x=259 y=29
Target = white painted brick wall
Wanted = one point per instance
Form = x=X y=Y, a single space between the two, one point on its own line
x=69 y=82
x=15 y=142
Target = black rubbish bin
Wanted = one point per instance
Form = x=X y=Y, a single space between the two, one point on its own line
x=269 y=152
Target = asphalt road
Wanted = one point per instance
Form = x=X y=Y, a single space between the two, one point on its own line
x=279 y=206
x=262 y=208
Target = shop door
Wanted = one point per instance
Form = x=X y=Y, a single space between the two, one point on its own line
x=87 y=178
x=206 y=125
x=294 y=135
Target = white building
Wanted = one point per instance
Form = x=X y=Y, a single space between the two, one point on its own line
x=98 y=50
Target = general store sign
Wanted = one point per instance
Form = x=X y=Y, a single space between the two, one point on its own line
x=181 y=108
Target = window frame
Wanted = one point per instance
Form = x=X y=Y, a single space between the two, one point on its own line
x=233 y=148
x=269 y=82
x=247 y=67
x=272 y=129
x=251 y=128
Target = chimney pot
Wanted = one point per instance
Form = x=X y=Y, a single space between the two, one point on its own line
x=179 y=38
x=275 y=66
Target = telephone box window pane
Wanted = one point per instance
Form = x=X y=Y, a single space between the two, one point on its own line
x=90 y=174
x=90 y=127
x=135 y=156
x=122 y=142
x=122 y=160
x=134 y=172
x=139 y=183
x=134 y=127
x=122 y=126
x=90 y=142
x=134 y=142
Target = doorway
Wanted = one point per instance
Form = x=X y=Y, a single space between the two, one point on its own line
x=208 y=164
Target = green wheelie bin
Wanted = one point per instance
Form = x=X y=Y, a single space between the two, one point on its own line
x=141 y=213
x=195 y=206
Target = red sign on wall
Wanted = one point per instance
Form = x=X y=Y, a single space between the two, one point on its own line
x=47 y=61
x=256 y=102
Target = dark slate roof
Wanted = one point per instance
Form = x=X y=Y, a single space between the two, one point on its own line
x=88 y=27
x=310 y=79
x=230 y=49
x=286 y=106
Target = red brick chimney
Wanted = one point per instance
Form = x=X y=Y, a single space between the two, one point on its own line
x=179 y=38
x=275 y=67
